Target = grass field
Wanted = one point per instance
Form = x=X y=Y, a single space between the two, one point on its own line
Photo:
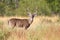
x=42 y=28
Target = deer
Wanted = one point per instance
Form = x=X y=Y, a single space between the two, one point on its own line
x=15 y=22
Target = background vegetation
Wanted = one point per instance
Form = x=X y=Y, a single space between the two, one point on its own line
x=18 y=7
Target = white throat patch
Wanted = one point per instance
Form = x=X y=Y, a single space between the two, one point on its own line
x=30 y=20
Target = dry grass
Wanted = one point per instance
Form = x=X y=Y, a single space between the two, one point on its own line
x=43 y=28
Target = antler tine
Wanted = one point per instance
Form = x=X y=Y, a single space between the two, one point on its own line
x=28 y=11
x=35 y=10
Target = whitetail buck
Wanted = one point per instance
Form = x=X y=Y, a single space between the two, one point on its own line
x=22 y=22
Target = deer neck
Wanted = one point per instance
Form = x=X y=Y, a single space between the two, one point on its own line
x=30 y=20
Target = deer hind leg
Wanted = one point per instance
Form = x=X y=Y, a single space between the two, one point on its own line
x=11 y=24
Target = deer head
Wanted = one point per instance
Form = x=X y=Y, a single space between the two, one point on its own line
x=31 y=15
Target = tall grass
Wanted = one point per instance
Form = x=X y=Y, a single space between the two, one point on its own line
x=42 y=28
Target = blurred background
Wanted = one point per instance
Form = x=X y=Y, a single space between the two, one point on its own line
x=18 y=7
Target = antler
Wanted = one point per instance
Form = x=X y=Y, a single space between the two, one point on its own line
x=35 y=10
x=28 y=11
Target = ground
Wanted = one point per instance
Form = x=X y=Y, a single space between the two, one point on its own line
x=42 y=28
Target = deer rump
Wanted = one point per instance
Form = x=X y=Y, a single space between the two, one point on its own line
x=19 y=23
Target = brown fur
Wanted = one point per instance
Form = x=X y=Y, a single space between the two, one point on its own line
x=19 y=22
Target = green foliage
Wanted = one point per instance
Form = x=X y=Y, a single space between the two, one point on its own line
x=54 y=5
x=18 y=7
x=2 y=9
